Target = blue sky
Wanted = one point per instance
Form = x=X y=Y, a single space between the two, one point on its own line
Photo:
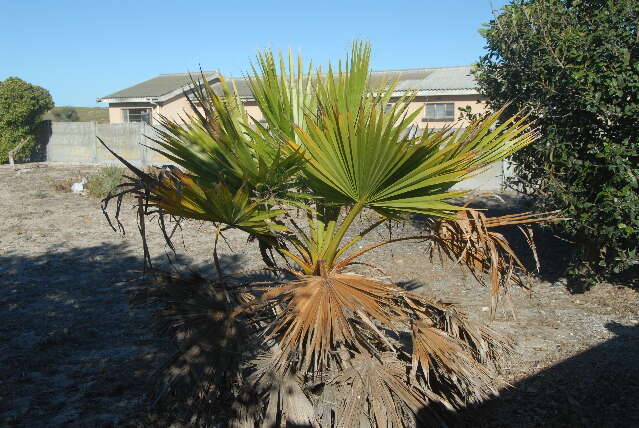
x=82 y=50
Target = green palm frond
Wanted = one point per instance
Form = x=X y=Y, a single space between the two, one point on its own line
x=357 y=153
x=221 y=143
x=284 y=91
x=183 y=195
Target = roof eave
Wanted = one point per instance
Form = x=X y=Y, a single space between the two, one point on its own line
x=179 y=91
x=155 y=98
x=151 y=100
x=437 y=92
x=183 y=88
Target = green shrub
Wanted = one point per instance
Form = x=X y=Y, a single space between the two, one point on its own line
x=106 y=179
x=21 y=108
x=575 y=66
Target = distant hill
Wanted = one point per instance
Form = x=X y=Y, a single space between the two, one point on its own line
x=86 y=114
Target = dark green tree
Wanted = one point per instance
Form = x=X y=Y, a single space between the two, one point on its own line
x=575 y=66
x=21 y=108
x=65 y=114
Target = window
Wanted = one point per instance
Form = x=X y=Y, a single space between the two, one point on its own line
x=137 y=115
x=440 y=111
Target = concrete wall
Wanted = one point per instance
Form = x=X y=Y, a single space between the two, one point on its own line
x=77 y=142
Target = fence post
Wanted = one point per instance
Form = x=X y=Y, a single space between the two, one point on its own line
x=94 y=146
x=143 y=149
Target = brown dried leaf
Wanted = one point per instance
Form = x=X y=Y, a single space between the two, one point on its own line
x=469 y=240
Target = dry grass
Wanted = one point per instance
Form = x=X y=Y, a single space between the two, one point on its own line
x=104 y=181
x=63 y=185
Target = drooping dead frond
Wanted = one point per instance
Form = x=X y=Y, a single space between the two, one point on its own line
x=438 y=355
x=221 y=371
x=423 y=352
x=374 y=389
x=469 y=240
x=317 y=315
x=270 y=398
x=288 y=405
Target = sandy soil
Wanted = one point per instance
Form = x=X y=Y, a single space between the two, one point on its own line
x=74 y=353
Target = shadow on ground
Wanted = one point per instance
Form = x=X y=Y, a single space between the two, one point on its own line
x=596 y=388
x=72 y=352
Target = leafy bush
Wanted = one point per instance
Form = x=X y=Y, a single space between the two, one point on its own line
x=575 y=66
x=21 y=107
x=106 y=179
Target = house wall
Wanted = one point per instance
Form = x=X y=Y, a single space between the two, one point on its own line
x=477 y=106
x=115 y=110
x=177 y=106
x=173 y=108
x=115 y=114
x=253 y=110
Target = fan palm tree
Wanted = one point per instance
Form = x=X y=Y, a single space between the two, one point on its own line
x=317 y=344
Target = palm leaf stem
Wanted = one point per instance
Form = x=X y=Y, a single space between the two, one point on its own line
x=359 y=236
x=349 y=259
x=332 y=249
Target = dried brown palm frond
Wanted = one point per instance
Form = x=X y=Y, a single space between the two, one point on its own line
x=437 y=354
x=221 y=372
x=372 y=391
x=469 y=239
x=296 y=353
x=318 y=314
x=423 y=352
x=272 y=399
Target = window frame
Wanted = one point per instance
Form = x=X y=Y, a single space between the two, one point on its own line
x=439 y=119
x=126 y=115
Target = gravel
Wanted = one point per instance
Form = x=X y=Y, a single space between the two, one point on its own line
x=74 y=353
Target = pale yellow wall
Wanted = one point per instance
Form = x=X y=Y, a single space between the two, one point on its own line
x=173 y=109
x=253 y=110
x=115 y=110
x=459 y=101
x=115 y=114
x=176 y=107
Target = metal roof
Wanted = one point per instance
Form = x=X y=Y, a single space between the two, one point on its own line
x=435 y=79
x=158 y=86
x=426 y=81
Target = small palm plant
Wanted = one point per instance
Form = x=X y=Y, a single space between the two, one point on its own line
x=316 y=344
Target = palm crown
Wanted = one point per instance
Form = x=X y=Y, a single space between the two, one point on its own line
x=331 y=149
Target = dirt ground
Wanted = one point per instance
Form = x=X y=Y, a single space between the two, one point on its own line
x=74 y=353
